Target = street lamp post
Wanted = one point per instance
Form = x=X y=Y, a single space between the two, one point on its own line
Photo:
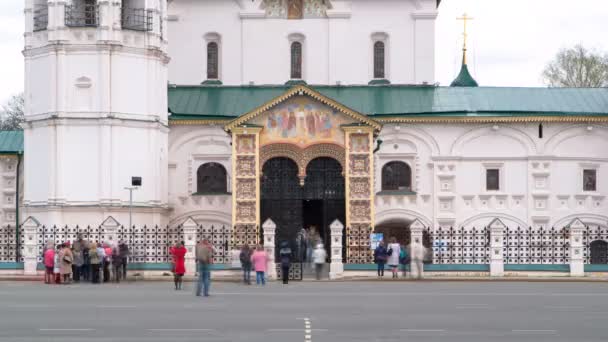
x=130 y=203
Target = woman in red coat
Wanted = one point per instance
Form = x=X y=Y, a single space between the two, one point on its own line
x=179 y=268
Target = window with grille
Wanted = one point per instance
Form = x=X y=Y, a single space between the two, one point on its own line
x=589 y=180
x=396 y=175
x=379 y=60
x=296 y=60
x=82 y=13
x=41 y=16
x=211 y=178
x=492 y=179
x=212 y=61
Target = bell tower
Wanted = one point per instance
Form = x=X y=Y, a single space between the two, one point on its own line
x=96 y=110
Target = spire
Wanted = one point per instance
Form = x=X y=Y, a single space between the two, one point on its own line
x=464 y=78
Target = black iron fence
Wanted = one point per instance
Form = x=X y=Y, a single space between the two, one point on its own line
x=458 y=245
x=220 y=237
x=536 y=246
x=595 y=241
x=9 y=244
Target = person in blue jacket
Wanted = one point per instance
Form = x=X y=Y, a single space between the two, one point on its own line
x=380 y=257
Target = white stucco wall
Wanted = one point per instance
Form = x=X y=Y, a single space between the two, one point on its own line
x=336 y=48
x=540 y=178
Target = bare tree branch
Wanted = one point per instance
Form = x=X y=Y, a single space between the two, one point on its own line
x=577 y=67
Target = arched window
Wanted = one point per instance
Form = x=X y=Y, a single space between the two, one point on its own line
x=212 y=61
x=211 y=178
x=396 y=175
x=379 y=60
x=296 y=60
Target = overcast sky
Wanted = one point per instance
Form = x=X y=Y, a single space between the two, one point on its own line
x=510 y=41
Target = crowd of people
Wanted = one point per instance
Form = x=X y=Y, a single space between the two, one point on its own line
x=85 y=261
x=398 y=256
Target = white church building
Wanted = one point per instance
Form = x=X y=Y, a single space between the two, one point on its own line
x=304 y=112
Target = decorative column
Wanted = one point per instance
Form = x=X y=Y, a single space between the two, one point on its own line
x=189 y=227
x=245 y=186
x=577 y=263
x=358 y=176
x=497 y=232
x=269 y=246
x=336 y=267
x=110 y=231
x=30 y=246
x=417 y=233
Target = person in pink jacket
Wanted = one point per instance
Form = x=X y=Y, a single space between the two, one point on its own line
x=259 y=259
x=49 y=264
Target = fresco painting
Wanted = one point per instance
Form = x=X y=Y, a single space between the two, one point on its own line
x=303 y=122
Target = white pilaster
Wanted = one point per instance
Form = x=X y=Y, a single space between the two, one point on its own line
x=577 y=264
x=189 y=227
x=270 y=228
x=30 y=245
x=497 y=232
x=336 y=267
x=110 y=230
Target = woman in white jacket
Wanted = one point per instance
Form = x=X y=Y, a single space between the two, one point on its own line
x=394 y=250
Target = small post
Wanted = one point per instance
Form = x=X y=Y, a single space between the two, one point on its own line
x=336 y=267
x=416 y=231
x=190 y=242
x=270 y=228
x=30 y=246
x=577 y=263
x=497 y=233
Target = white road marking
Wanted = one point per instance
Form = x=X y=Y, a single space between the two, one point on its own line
x=65 y=329
x=534 y=331
x=173 y=329
x=422 y=330
x=116 y=307
x=412 y=294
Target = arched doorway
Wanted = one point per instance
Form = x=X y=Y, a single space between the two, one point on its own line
x=293 y=207
x=281 y=199
x=323 y=196
x=599 y=252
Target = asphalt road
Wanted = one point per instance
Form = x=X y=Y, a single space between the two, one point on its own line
x=306 y=311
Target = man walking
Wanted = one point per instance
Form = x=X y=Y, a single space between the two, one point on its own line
x=318 y=257
x=204 y=258
x=285 y=258
x=123 y=250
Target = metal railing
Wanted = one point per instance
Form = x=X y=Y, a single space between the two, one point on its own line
x=82 y=15
x=537 y=246
x=137 y=19
x=458 y=245
x=10 y=250
x=41 y=18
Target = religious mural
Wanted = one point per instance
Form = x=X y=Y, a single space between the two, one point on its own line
x=302 y=122
x=296 y=9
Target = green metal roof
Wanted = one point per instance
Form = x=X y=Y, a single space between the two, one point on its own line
x=11 y=142
x=214 y=102
x=464 y=78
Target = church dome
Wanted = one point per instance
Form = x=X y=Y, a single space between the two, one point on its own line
x=464 y=78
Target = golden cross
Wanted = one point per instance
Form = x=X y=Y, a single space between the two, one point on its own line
x=464 y=19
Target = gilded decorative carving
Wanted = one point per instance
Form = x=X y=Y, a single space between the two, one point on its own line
x=360 y=211
x=301 y=156
x=245 y=211
x=245 y=166
x=245 y=189
x=359 y=165
x=359 y=188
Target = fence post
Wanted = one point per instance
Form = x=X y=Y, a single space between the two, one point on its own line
x=577 y=264
x=336 y=267
x=416 y=236
x=270 y=228
x=110 y=231
x=30 y=246
x=189 y=227
x=497 y=233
